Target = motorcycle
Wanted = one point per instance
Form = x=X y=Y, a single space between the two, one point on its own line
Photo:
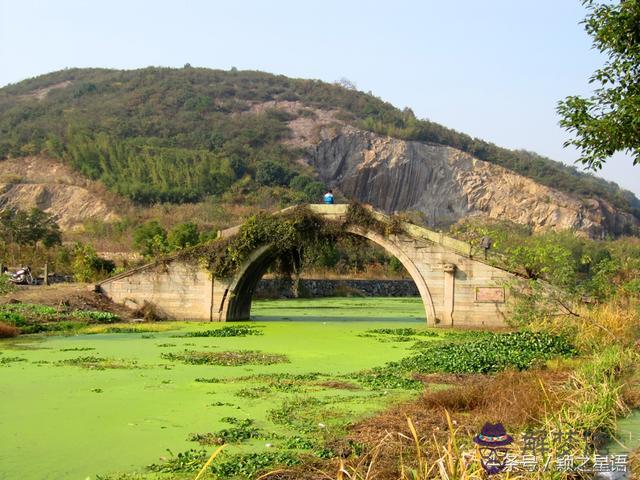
x=21 y=277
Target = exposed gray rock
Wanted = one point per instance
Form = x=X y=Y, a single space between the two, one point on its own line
x=446 y=185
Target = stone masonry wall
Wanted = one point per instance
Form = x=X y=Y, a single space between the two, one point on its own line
x=280 y=288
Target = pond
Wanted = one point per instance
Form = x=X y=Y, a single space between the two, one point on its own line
x=83 y=406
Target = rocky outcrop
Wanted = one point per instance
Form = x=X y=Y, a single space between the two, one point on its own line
x=51 y=186
x=446 y=185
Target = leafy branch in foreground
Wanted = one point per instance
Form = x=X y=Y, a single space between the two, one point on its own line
x=609 y=120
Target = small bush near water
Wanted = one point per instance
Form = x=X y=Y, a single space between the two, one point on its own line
x=489 y=353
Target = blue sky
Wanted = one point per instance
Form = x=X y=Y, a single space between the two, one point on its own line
x=493 y=69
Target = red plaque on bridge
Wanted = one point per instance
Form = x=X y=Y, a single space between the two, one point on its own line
x=489 y=294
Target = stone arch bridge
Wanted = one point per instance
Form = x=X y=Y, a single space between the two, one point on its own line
x=456 y=288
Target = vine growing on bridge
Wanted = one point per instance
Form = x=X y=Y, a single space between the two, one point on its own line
x=359 y=215
x=290 y=235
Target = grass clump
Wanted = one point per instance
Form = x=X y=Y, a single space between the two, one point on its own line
x=128 y=328
x=228 y=358
x=35 y=318
x=297 y=442
x=253 y=392
x=283 y=376
x=184 y=462
x=241 y=431
x=8 y=360
x=98 y=363
x=249 y=465
x=208 y=380
x=403 y=332
x=310 y=415
x=95 y=316
x=62 y=327
x=229 y=331
x=386 y=378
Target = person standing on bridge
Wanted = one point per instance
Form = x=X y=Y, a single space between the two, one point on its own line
x=328 y=198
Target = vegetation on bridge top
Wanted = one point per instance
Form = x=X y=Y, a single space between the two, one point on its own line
x=297 y=237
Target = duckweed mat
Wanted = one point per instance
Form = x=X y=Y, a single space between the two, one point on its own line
x=92 y=405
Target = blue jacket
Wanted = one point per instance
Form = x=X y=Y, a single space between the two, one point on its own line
x=328 y=198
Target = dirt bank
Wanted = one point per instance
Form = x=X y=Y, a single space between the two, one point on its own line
x=75 y=296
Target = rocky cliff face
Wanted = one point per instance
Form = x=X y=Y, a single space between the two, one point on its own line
x=446 y=185
x=51 y=186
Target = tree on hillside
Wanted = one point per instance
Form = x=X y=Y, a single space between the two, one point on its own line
x=150 y=239
x=609 y=120
x=183 y=235
x=29 y=228
x=270 y=173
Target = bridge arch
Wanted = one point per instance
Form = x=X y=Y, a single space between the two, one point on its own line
x=238 y=297
x=456 y=287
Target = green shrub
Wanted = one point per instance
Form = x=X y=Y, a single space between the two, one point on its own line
x=183 y=235
x=150 y=239
x=5 y=285
x=88 y=266
x=270 y=173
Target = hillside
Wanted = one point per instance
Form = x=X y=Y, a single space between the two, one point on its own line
x=182 y=135
x=53 y=187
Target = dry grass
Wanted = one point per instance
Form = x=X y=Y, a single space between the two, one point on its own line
x=634 y=463
x=613 y=323
x=514 y=398
x=8 y=331
x=426 y=438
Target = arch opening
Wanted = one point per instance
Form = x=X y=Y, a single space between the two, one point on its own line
x=244 y=283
